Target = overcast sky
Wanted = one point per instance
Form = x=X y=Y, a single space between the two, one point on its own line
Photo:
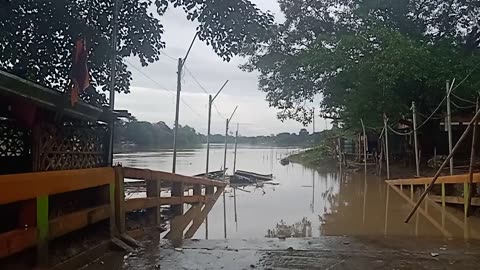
x=155 y=101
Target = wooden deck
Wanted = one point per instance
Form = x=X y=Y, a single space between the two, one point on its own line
x=39 y=186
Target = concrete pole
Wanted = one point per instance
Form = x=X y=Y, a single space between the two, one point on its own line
x=449 y=127
x=387 y=156
x=112 y=80
x=177 y=112
x=414 y=117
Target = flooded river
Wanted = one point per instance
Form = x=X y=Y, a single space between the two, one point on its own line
x=306 y=202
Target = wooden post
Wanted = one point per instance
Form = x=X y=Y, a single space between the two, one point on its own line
x=42 y=231
x=449 y=127
x=113 y=227
x=209 y=191
x=177 y=191
x=457 y=145
x=469 y=189
x=414 y=117
x=153 y=190
x=386 y=209
x=364 y=147
x=119 y=200
x=387 y=156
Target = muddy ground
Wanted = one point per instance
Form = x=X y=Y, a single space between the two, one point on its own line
x=330 y=252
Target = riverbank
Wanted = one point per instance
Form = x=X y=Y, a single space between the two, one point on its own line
x=317 y=158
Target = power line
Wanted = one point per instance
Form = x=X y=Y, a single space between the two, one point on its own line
x=148 y=77
x=463 y=99
x=171 y=57
x=163 y=88
x=196 y=81
x=218 y=112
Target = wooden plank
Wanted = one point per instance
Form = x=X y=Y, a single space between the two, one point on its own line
x=454 y=199
x=179 y=223
x=423 y=212
x=448 y=179
x=145 y=203
x=77 y=220
x=48 y=183
x=197 y=222
x=145 y=174
x=140 y=203
x=16 y=241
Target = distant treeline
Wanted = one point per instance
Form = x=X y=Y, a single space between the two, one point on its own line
x=160 y=135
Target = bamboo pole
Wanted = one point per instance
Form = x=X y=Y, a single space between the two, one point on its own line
x=430 y=186
x=469 y=189
x=449 y=127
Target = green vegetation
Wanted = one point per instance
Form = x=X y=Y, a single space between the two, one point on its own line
x=367 y=57
x=37 y=37
x=159 y=135
x=154 y=135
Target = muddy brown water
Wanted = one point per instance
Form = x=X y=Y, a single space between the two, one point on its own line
x=306 y=202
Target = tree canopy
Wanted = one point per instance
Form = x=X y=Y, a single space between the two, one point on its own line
x=37 y=37
x=367 y=57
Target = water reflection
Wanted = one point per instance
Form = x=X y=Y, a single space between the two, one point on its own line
x=330 y=203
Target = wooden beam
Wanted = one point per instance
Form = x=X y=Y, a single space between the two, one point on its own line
x=454 y=199
x=448 y=179
x=197 y=222
x=77 y=220
x=140 y=203
x=145 y=174
x=14 y=186
x=179 y=223
x=16 y=241
x=145 y=203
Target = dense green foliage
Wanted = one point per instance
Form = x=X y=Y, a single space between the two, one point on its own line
x=37 y=36
x=367 y=57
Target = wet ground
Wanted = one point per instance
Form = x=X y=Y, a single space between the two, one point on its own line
x=314 y=211
x=328 y=252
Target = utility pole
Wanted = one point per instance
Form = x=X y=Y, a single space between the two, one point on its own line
x=181 y=63
x=112 y=79
x=177 y=112
x=414 y=118
x=224 y=173
x=449 y=126
x=387 y=156
x=210 y=103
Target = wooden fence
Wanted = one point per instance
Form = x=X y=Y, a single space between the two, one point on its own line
x=40 y=186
